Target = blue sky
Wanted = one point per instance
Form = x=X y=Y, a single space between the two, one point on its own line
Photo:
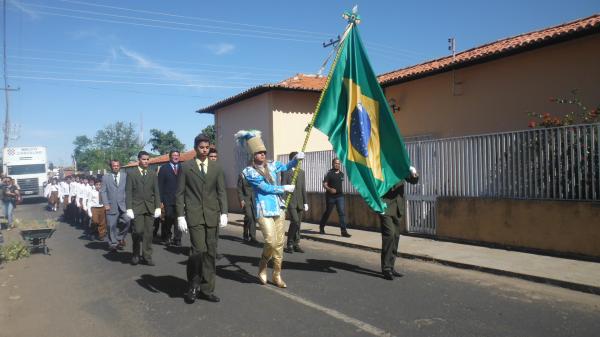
x=81 y=65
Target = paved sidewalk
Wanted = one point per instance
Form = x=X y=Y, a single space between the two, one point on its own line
x=573 y=274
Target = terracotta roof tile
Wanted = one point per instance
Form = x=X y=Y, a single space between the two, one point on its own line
x=162 y=159
x=517 y=43
x=508 y=45
x=301 y=82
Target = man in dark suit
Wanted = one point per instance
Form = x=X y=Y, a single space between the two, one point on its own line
x=201 y=204
x=246 y=198
x=143 y=206
x=296 y=208
x=391 y=222
x=112 y=194
x=167 y=185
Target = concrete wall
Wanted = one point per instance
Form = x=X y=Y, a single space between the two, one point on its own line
x=252 y=113
x=560 y=226
x=358 y=213
x=292 y=112
x=496 y=96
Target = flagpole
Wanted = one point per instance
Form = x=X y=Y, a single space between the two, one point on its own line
x=312 y=122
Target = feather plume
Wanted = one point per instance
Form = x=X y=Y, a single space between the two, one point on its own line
x=243 y=135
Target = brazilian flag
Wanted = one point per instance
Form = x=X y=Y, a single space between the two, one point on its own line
x=354 y=114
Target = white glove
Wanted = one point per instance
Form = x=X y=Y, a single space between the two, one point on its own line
x=182 y=224
x=413 y=170
x=223 y=221
x=305 y=207
x=157 y=213
x=300 y=155
x=289 y=188
x=129 y=213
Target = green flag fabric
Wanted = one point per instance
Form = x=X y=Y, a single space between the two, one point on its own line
x=354 y=114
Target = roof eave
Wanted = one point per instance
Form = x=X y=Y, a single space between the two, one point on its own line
x=517 y=50
x=211 y=109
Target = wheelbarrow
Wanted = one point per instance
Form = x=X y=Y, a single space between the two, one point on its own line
x=37 y=238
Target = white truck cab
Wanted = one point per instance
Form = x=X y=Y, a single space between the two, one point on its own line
x=29 y=167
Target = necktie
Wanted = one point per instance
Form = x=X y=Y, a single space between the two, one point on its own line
x=144 y=172
x=175 y=169
x=202 y=169
x=116 y=180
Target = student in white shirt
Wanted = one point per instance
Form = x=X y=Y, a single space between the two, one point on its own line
x=53 y=198
x=64 y=193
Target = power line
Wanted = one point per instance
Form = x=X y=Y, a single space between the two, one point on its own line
x=158 y=20
x=194 y=18
x=159 y=60
x=175 y=28
x=282 y=36
x=110 y=76
x=129 y=65
x=76 y=72
x=208 y=86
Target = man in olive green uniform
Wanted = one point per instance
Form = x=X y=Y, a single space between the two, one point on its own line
x=296 y=208
x=201 y=206
x=143 y=206
x=391 y=225
x=246 y=198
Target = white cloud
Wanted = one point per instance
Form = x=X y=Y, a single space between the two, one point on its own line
x=221 y=48
x=145 y=63
x=30 y=12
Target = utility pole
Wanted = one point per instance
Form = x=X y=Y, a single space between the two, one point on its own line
x=452 y=48
x=141 y=136
x=331 y=42
x=7 y=88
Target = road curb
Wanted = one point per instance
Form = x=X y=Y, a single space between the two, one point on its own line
x=538 y=279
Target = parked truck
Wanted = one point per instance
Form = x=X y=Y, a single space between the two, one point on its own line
x=29 y=167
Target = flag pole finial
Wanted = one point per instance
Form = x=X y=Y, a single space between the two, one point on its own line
x=352 y=16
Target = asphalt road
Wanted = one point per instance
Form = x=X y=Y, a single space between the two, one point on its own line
x=83 y=290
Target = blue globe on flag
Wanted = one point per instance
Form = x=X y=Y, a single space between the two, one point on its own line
x=360 y=130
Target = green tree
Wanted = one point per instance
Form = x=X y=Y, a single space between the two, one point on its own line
x=210 y=132
x=115 y=141
x=164 y=142
x=118 y=141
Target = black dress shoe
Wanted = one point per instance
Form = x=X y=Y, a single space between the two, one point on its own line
x=396 y=274
x=177 y=243
x=135 y=260
x=288 y=250
x=191 y=295
x=321 y=229
x=346 y=234
x=387 y=274
x=209 y=297
x=298 y=249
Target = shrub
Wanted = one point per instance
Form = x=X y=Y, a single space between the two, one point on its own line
x=13 y=251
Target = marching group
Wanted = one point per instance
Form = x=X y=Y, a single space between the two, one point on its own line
x=190 y=197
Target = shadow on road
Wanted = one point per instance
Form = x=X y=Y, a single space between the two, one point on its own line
x=95 y=244
x=173 y=286
x=234 y=272
x=331 y=266
x=178 y=250
x=231 y=238
x=237 y=239
x=119 y=256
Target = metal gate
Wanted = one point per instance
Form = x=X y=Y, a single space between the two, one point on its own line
x=561 y=163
